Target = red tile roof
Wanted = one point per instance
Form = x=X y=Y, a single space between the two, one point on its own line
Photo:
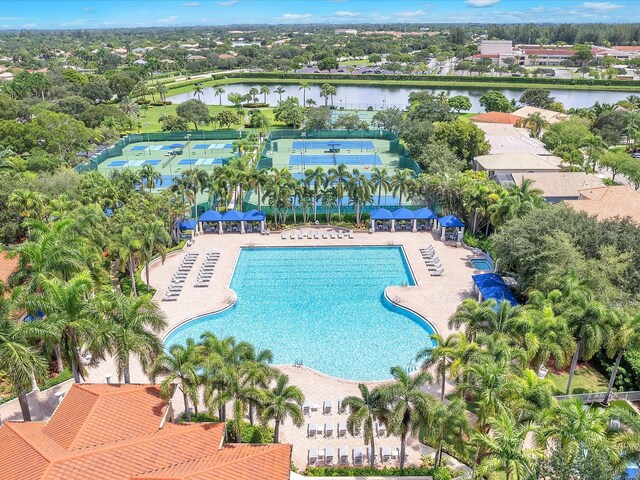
x=627 y=48
x=550 y=51
x=7 y=266
x=116 y=432
x=496 y=117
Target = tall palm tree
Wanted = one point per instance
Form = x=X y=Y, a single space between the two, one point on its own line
x=126 y=248
x=197 y=90
x=304 y=86
x=401 y=183
x=218 y=91
x=329 y=202
x=365 y=410
x=381 y=181
x=478 y=317
x=154 y=239
x=279 y=91
x=178 y=363
x=253 y=93
x=257 y=178
x=505 y=449
x=149 y=177
x=627 y=336
x=409 y=405
x=338 y=178
x=359 y=191
x=450 y=423
x=316 y=179
x=265 y=90
x=535 y=122
x=280 y=402
x=130 y=327
x=28 y=203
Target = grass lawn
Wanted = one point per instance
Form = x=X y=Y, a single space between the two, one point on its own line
x=586 y=380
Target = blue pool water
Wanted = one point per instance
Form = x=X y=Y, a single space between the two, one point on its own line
x=322 y=306
x=482 y=263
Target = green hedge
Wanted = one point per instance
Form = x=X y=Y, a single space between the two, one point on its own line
x=434 y=78
x=200 y=418
x=250 y=433
x=436 y=473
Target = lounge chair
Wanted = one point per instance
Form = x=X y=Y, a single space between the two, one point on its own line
x=312 y=457
x=437 y=273
x=293 y=235
x=333 y=234
x=328 y=430
x=326 y=407
x=328 y=455
x=340 y=234
x=341 y=408
x=316 y=235
x=381 y=429
x=351 y=234
x=312 y=430
x=283 y=236
x=342 y=428
x=301 y=235
x=324 y=235
x=343 y=455
x=435 y=267
x=358 y=457
x=306 y=408
x=169 y=299
x=385 y=453
x=200 y=285
x=315 y=407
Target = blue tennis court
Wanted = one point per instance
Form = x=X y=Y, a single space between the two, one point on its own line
x=187 y=161
x=212 y=146
x=172 y=146
x=139 y=147
x=325 y=145
x=297 y=160
x=153 y=163
x=118 y=163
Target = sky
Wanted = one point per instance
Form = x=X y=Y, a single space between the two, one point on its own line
x=67 y=14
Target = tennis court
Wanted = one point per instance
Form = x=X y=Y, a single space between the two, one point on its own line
x=333 y=159
x=332 y=144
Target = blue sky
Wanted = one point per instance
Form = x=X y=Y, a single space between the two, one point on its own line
x=128 y=13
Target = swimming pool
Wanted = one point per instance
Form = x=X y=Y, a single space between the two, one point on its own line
x=322 y=306
x=482 y=264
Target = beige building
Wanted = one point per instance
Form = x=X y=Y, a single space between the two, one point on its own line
x=609 y=202
x=513 y=163
x=505 y=138
x=558 y=186
x=549 y=115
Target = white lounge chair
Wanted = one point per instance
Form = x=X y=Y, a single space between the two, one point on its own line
x=342 y=428
x=358 y=457
x=293 y=235
x=306 y=408
x=326 y=407
x=328 y=430
x=340 y=234
x=328 y=455
x=333 y=234
x=312 y=430
x=351 y=234
x=381 y=429
x=325 y=235
x=341 y=408
x=316 y=235
x=312 y=457
x=385 y=453
x=343 y=455
x=437 y=273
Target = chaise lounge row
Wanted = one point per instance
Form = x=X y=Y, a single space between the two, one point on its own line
x=178 y=279
x=315 y=234
x=358 y=455
x=431 y=260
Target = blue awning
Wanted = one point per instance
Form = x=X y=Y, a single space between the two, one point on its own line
x=492 y=287
x=232 y=216
x=210 y=216
x=424 y=214
x=381 y=214
x=403 y=214
x=188 y=224
x=451 y=221
x=254 y=216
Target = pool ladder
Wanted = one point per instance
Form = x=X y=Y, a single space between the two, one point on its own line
x=412 y=367
x=298 y=363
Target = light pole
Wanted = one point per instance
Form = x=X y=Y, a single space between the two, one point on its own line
x=304 y=149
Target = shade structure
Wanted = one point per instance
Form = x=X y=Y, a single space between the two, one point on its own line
x=381 y=214
x=232 y=216
x=451 y=221
x=210 y=216
x=254 y=216
x=188 y=224
x=424 y=214
x=403 y=214
x=492 y=287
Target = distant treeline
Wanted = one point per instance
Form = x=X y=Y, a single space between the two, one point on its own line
x=596 y=33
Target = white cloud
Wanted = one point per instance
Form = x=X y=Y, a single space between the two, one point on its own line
x=295 y=16
x=346 y=13
x=229 y=3
x=170 y=19
x=411 y=13
x=74 y=23
x=481 y=3
x=601 y=5
x=536 y=9
x=30 y=25
x=190 y=4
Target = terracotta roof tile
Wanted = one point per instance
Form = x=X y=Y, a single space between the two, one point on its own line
x=609 y=202
x=7 y=266
x=495 y=117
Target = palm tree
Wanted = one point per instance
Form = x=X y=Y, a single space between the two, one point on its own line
x=381 y=181
x=265 y=90
x=505 y=450
x=401 y=183
x=19 y=362
x=325 y=92
x=409 y=405
x=131 y=327
x=443 y=355
x=279 y=91
x=337 y=178
x=449 y=422
x=304 y=86
x=535 y=122
x=257 y=179
x=28 y=203
x=359 y=191
x=155 y=239
x=478 y=317
x=329 y=201
x=253 y=93
x=126 y=248
x=162 y=90
x=197 y=90
x=365 y=411
x=627 y=336
x=218 y=91
x=178 y=363
x=149 y=177
x=283 y=401
x=315 y=179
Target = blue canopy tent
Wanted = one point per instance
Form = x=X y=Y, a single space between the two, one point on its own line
x=451 y=221
x=184 y=228
x=255 y=216
x=380 y=217
x=187 y=224
x=424 y=218
x=404 y=215
x=490 y=286
x=210 y=216
x=233 y=216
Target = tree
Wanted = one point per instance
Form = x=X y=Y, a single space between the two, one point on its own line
x=441 y=354
x=409 y=405
x=149 y=178
x=283 y=401
x=318 y=118
x=388 y=119
x=327 y=90
x=402 y=182
x=279 y=91
x=265 y=90
x=365 y=410
x=130 y=327
x=459 y=102
x=375 y=58
x=438 y=159
x=381 y=181
x=495 y=101
x=614 y=161
x=535 y=122
x=448 y=423
x=627 y=338
x=198 y=90
x=97 y=91
x=121 y=84
x=259 y=120
x=126 y=248
x=290 y=112
x=315 y=179
x=218 y=91
x=338 y=178
x=464 y=138
x=304 y=86
x=350 y=121
x=193 y=111
x=178 y=363
x=328 y=63
x=359 y=191
x=154 y=240
x=226 y=118
x=537 y=97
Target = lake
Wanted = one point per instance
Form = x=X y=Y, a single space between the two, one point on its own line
x=361 y=97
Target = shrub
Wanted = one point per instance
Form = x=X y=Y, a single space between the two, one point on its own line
x=250 y=433
x=255 y=105
x=437 y=473
x=200 y=418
